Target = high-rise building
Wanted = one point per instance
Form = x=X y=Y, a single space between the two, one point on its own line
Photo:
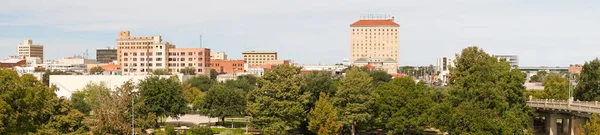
x=374 y=42
x=218 y=56
x=513 y=60
x=142 y=54
x=28 y=49
x=258 y=58
x=106 y=55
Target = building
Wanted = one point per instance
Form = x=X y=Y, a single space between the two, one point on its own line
x=109 y=68
x=258 y=58
x=10 y=63
x=225 y=77
x=386 y=64
x=277 y=62
x=258 y=71
x=575 y=68
x=375 y=40
x=139 y=55
x=28 y=49
x=513 y=60
x=69 y=64
x=218 y=56
x=227 y=66
x=443 y=66
x=335 y=69
x=106 y=55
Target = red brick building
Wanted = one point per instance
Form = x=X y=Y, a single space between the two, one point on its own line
x=227 y=66
x=10 y=63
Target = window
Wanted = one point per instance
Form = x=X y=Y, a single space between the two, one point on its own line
x=142 y=64
x=126 y=54
x=158 y=53
x=125 y=64
x=190 y=53
x=134 y=59
x=158 y=59
x=141 y=59
x=141 y=54
x=135 y=65
x=190 y=59
x=159 y=64
x=199 y=70
x=134 y=54
x=190 y=64
x=149 y=64
x=124 y=59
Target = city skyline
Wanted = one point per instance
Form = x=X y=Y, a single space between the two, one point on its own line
x=546 y=33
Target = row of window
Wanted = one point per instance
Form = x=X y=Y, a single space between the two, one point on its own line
x=259 y=58
x=375 y=29
x=135 y=43
x=380 y=55
x=272 y=56
x=219 y=64
x=370 y=48
x=360 y=33
x=183 y=53
x=183 y=59
x=150 y=70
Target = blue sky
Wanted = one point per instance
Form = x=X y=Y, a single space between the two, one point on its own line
x=541 y=32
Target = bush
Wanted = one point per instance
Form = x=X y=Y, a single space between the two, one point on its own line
x=234 y=130
x=199 y=130
x=169 y=130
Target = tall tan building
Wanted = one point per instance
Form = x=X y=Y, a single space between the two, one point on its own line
x=140 y=55
x=375 y=42
x=258 y=58
x=28 y=49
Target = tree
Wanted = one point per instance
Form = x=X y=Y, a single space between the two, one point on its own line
x=162 y=96
x=188 y=71
x=222 y=102
x=112 y=111
x=190 y=93
x=78 y=100
x=592 y=127
x=241 y=84
x=380 y=77
x=64 y=119
x=201 y=82
x=96 y=70
x=169 y=130
x=199 y=130
x=278 y=104
x=353 y=98
x=47 y=73
x=485 y=97
x=402 y=105
x=213 y=74
x=535 y=78
x=323 y=118
x=316 y=84
x=252 y=79
x=589 y=82
x=556 y=87
x=160 y=72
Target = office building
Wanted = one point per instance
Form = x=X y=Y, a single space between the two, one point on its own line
x=28 y=49
x=227 y=66
x=258 y=58
x=139 y=55
x=218 y=56
x=443 y=66
x=513 y=60
x=375 y=40
x=106 y=55
x=68 y=64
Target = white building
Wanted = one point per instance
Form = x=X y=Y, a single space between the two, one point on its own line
x=258 y=71
x=334 y=68
x=29 y=70
x=443 y=66
x=513 y=60
x=76 y=64
x=386 y=64
x=225 y=77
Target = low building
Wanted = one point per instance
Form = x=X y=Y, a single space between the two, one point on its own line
x=218 y=56
x=29 y=70
x=69 y=64
x=224 y=77
x=335 y=69
x=575 y=68
x=513 y=60
x=258 y=71
x=228 y=66
x=386 y=64
x=258 y=58
x=10 y=63
x=109 y=68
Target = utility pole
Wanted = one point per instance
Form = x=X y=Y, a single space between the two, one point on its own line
x=132 y=115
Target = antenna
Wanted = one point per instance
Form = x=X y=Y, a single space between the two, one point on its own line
x=200 y=38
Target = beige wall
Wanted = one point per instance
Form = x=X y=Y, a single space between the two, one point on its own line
x=218 y=56
x=258 y=58
x=374 y=42
x=197 y=58
x=28 y=49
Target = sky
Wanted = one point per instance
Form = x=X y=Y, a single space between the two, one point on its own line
x=540 y=32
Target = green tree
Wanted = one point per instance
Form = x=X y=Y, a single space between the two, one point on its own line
x=47 y=73
x=213 y=74
x=589 y=82
x=222 y=102
x=112 y=112
x=323 y=118
x=316 y=83
x=556 y=86
x=188 y=71
x=402 y=105
x=242 y=84
x=162 y=96
x=353 y=98
x=199 y=130
x=96 y=70
x=190 y=93
x=592 y=127
x=169 y=130
x=64 y=119
x=278 y=104
x=160 y=72
x=485 y=97
x=91 y=92
x=380 y=77
x=535 y=78
x=201 y=82
x=78 y=100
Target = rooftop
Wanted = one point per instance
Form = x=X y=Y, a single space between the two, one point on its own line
x=258 y=52
x=11 y=61
x=363 y=23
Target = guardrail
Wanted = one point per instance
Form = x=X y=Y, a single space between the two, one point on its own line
x=565 y=105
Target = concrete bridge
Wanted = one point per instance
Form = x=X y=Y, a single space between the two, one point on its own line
x=561 y=116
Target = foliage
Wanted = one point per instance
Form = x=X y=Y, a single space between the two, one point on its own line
x=160 y=72
x=47 y=73
x=402 y=105
x=556 y=86
x=222 y=102
x=592 y=127
x=252 y=79
x=162 y=96
x=188 y=71
x=190 y=93
x=92 y=92
x=323 y=118
x=112 y=112
x=380 y=77
x=64 y=119
x=199 y=130
x=278 y=104
x=316 y=84
x=201 y=82
x=485 y=97
x=221 y=130
x=353 y=98
x=213 y=74
x=96 y=70
x=241 y=84
x=589 y=82
x=169 y=130
x=535 y=78
x=78 y=100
